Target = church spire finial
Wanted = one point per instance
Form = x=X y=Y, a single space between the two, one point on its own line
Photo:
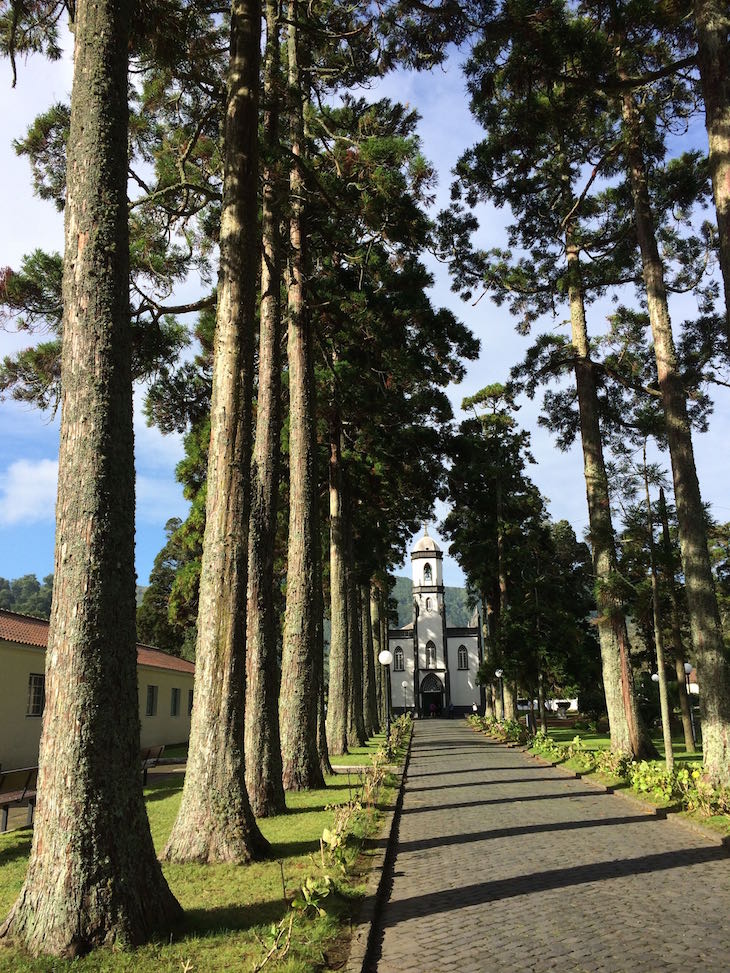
x=425 y=529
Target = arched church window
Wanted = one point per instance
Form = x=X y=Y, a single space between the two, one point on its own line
x=428 y=604
x=462 y=658
x=430 y=655
x=398 y=661
x=427 y=573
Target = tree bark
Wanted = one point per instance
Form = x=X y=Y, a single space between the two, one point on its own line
x=356 y=736
x=300 y=679
x=628 y=735
x=711 y=663
x=712 y=19
x=93 y=878
x=541 y=701
x=677 y=648
x=215 y=822
x=658 y=637
x=368 y=665
x=262 y=741
x=377 y=649
x=337 y=705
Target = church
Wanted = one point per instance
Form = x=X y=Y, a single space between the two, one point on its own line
x=434 y=667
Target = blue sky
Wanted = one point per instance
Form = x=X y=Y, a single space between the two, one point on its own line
x=29 y=439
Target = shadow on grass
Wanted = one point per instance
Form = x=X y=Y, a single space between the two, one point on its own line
x=224 y=919
x=20 y=848
x=161 y=790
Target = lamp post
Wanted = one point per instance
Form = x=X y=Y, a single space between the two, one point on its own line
x=687 y=670
x=404 y=687
x=499 y=673
x=385 y=658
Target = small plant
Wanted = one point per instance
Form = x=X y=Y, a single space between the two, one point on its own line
x=311 y=894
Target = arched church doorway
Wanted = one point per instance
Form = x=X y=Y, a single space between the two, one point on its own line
x=432 y=695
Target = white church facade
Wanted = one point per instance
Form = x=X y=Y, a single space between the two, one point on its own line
x=434 y=666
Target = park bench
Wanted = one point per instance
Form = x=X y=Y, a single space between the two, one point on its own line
x=17 y=787
x=150 y=757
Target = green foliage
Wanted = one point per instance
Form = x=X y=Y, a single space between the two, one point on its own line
x=27 y=595
x=459 y=611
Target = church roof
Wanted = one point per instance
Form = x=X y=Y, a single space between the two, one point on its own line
x=426 y=543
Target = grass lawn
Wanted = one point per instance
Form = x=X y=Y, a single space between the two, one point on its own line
x=359 y=755
x=601 y=741
x=227 y=907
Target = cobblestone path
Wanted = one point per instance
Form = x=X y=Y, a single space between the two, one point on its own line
x=504 y=865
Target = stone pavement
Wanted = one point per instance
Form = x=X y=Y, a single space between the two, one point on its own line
x=504 y=865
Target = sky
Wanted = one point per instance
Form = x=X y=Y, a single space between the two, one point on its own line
x=29 y=438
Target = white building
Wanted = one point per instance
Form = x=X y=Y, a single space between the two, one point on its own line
x=437 y=664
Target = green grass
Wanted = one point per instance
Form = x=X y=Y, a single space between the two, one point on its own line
x=227 y=907
x=178 y=750
x=360 y=755
x=602 y=741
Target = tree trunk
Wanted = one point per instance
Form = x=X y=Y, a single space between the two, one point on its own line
x=300 y=679
x=356 y=736
x=93 y=878
x=677 y=648
x=322 y=749
x=337 y=705
x=262 y=742
x=658 y=638
x=541 y=701
x=712 y=666
x=384 y=643
x=628 y=735
x=368 y=665
x=215 y=822
x=712 y=18
x=377 y=649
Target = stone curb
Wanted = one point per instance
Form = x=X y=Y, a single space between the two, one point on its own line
x=376 y=890
x=649 y=807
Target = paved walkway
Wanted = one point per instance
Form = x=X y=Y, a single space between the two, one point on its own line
x=504 y=865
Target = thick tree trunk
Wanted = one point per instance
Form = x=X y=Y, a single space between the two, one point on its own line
x=658 y=636
x=300 y=678
x=93 y=878
x=215 y=822
x=677 y=648
x=337 y=705
x=628 y=735
x=262 y=742
x=712 y=18
x=368 y=664
x=384 y=626
x=712 y=666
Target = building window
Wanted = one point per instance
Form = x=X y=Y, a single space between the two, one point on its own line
x=175 y=702
x=190 y=701
x=427 y=573
x=36 y=694
x=428 y=604
x=151 y=701
x=430 y=655
x=398 y=661
x=463 y=658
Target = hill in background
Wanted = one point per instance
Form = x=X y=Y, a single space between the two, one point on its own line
x=458 y=611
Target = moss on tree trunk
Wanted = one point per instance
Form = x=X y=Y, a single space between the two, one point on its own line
x=713 y=670
x=215 y=822
x=300 y=679
x=93 y=878
x=262 y=741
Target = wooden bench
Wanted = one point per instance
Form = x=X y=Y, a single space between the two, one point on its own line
x=17 y=787
x=150 y=757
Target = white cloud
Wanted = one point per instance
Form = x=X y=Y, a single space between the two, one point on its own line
x=159 y=499
x=28 y=492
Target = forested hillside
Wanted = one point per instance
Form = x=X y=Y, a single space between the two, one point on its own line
x=458 y=611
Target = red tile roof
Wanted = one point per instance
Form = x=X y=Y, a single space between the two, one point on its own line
x=34 y=631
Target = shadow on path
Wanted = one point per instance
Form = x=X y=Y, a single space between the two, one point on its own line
x=422 y=844
x=447 y=900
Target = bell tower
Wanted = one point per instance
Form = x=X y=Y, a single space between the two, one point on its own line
x=431 y=681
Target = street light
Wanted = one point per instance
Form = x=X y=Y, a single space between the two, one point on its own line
x=687 y=670
x=385 y=658
x=404 y=687
x=655 y=677
x=498 y=673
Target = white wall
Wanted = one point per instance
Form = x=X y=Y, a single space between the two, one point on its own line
x=464 y=689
